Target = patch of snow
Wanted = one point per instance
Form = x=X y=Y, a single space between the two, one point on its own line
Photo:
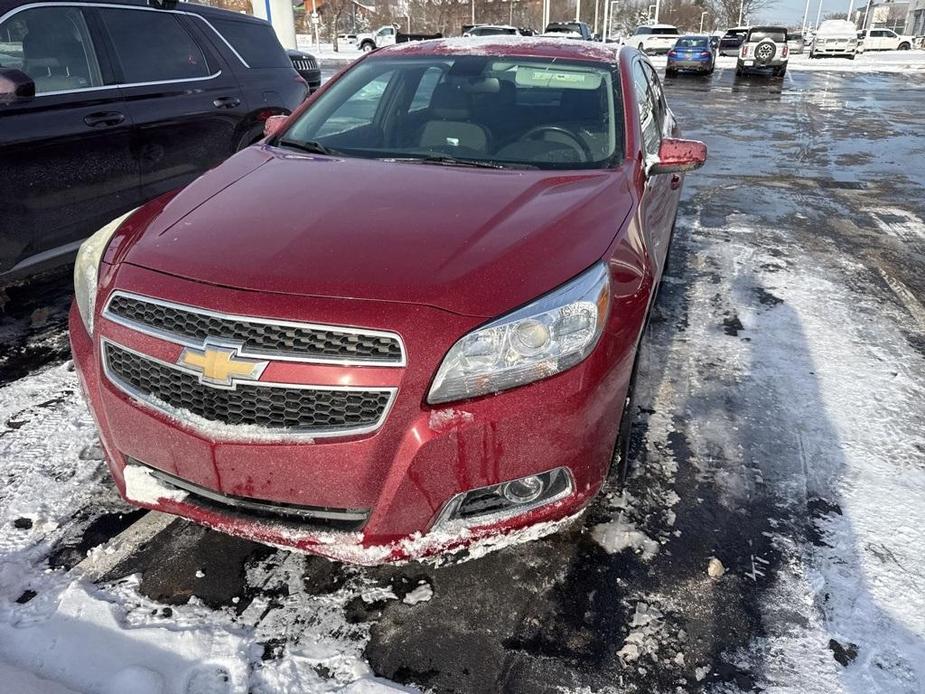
x=618 y=535
x=423 y=593
x=143 y=487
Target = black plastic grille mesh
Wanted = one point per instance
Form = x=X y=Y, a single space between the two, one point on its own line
x=302 y=409
x=260 y=337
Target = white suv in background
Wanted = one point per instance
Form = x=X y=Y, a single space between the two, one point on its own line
x=654 y=38
x=764 y=48
x=836 y=37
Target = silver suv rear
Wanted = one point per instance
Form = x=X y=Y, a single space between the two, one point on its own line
x=764 y=48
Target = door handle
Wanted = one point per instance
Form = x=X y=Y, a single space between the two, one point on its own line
x=675 y=182
x=104 y=119
x=227 y=102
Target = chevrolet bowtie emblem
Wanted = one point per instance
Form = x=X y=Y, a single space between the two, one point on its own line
x=220 y=365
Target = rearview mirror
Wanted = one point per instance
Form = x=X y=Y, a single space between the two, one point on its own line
x=678 y=156
x=15 y=85
x=273 y=125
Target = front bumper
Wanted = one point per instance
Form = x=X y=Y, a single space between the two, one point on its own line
x=402 y=475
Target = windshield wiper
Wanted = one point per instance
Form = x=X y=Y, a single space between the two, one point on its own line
x=308 y=146
x=447 y=160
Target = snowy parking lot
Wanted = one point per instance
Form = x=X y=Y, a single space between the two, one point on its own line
x=769 y=538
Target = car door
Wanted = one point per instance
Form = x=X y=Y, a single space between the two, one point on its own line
x=889 y=40
x=185 y=102
x=661 y=191
x=66 y=165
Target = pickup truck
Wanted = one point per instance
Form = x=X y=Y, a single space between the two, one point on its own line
x=885 y=40
x=388 y=35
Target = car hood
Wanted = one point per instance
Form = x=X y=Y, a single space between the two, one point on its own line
x=472 y=241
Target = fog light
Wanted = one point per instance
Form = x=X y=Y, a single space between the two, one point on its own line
x=499 y=501
x=523 y=491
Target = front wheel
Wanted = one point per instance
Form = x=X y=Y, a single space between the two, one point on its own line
x=251 y=136
x=367 y=47
x=904 y=46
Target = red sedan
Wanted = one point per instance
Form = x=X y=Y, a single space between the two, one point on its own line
x=405 y=322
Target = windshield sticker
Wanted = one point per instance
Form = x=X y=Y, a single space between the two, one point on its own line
x=556 y=78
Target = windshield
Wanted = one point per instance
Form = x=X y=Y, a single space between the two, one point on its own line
x=692 y=42
x=773 y=33
x=492 y=31
x=468 y=110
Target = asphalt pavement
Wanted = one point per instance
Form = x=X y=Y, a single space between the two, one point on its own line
x=814 y=182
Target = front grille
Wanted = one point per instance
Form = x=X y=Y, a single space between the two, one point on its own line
x=299 y=517
x=277 y=409
x=260 y=338
x=304 y=64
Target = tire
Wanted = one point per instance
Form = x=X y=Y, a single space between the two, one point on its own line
x=779 y=72
x=670 y=73
x=851 y=57
x=812 y=56
x=251 y=136
x=739 y=71
x=904 y=47
x=367 y=46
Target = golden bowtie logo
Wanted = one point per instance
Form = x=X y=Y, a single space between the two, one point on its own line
x=220 y=365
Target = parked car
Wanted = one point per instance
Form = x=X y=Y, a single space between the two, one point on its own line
x=731 y=41
x=764 y=48
x=654 y=39
x=312 y=373
x=835 y=37
x=886 y=40
x=795 y=42
x=572 y=30
x=95 y=119
x=691 y=53
x=388 y=36
x=306 y=65
x=492 y=30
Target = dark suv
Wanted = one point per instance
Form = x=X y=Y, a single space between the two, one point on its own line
x=106 y=105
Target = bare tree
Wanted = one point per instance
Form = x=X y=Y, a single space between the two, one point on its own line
x=728 y=12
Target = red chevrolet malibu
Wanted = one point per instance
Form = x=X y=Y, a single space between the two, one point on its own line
x=408 y=320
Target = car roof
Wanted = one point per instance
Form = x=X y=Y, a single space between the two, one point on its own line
x=507 y=46
x=204 y=10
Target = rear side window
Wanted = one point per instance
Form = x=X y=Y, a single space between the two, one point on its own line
x=762 y=33
x=255 y=42
x=665 y=31
x=52 y=45
x=153 y=46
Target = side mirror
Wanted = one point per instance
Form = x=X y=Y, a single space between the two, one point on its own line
x=15 y=85
x=273 y=125
x=678 y=156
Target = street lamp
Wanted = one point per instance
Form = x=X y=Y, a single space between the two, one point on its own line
x=806 y=16
x=819 y=15
x=702 y=15
x=741 y=12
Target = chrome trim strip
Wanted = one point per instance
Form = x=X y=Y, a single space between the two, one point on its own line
x=127 y=85
x=50 y=254
x=227 y=430
x=116 y=6
x=253 y=504
x=274 y=356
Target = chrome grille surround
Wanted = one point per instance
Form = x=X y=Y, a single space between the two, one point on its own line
x=268 y=400
x=261 y=338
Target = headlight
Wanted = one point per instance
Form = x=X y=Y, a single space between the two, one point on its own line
x=86 y=269
x=548 y=336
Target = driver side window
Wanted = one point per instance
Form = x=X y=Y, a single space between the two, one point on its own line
x=648 y=111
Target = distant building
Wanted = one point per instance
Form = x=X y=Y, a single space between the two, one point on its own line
x=915 y=19
x=885 y=15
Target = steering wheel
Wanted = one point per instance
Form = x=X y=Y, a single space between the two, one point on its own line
x=576 y=142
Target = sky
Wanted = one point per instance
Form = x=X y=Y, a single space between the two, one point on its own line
x=790 y=12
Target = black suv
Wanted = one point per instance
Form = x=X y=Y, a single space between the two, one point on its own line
x=105 y=105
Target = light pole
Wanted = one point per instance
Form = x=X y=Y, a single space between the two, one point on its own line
x=866 y=17
x=472 y=7
x=597 y=4
x=658 y=6
x=741 y=11
x=819 y=15
x=805 y=16
x=702 y=15
x=577 y=10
